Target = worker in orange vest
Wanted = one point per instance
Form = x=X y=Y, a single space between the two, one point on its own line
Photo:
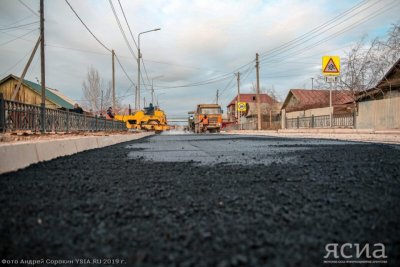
x=204 y=121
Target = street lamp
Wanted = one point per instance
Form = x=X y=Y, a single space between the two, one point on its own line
x=152 y=88
x=137 y=100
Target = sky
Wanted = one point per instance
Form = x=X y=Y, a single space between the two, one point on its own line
x=200 y=47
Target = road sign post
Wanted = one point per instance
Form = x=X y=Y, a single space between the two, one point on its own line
x=331 y=71
x=241 y=107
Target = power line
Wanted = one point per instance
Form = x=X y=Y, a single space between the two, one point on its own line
x=87 y=28
x=30 y=9
x=123 y=69
x=18 y=26
x=360 y=21
x=122 y=30
x=17 y=21
x=126 y=21
x=13 y=66
x=314 y=34
x=18 y=37
x=145 y=71
x=316 y=29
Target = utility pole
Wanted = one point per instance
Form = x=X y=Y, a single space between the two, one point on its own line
x=101 y=104
x=312 y=83
x=152 y=92
x=113 y=80
x=217 y=96
x=238 y=99
x=258 y=94
x=330 y=106
x=25 y=70
x=137 y=98
x=42 y=68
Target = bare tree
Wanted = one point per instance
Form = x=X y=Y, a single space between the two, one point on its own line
x=93 y=87
x=365 y=64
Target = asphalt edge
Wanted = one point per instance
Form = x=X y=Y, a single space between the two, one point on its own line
x=15 y=156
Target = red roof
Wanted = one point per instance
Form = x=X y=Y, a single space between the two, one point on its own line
x=251 y=98
x=308 y=99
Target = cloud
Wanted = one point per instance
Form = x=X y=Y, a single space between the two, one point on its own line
x=200 y=40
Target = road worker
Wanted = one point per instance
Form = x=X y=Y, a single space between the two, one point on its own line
x=204 y=121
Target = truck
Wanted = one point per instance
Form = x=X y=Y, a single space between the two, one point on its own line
x=214 y=115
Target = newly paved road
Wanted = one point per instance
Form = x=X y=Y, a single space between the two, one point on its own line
x=205 y=200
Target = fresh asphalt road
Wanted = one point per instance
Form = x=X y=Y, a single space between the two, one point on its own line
x=205 y=200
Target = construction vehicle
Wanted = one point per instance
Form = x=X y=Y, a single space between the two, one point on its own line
x=149 y=119
x=191 y=121
x=214 y=115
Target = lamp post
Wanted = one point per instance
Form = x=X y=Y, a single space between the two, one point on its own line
x=152 y=87
x=137 y=100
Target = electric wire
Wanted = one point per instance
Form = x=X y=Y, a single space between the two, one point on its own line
x=87 y=28
x=348 y=28
x=122 y=30
x=315 y=36
x=126 y=21
x=30 y=9
x=18 y=26
x=18 y=37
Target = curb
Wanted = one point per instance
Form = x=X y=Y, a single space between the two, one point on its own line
x=16 y=156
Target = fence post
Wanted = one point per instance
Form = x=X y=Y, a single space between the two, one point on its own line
x=67 y=121
x=298 y=122
x=312 y=121
x=2 y=114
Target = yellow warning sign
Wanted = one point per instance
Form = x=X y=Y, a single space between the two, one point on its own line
x=331 y=65
x=241 y=106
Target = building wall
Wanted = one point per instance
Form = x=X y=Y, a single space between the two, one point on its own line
x=25 y=94
x=308 y=113
x=379 y=114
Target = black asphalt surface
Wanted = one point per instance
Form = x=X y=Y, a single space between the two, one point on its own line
x=205 y=200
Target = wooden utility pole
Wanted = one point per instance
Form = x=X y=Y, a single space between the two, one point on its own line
x=25 y=70
x=217 y=96
x=258 y=94
x=238 y=98
x=42 y=68
x=113 y=80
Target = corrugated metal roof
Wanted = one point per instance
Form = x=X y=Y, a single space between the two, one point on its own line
x=49 y=95
x=251 y=98
x=55 y=98
x=309 y=99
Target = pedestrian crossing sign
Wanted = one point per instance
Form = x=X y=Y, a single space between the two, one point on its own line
x=331 y=65
x=241 y=106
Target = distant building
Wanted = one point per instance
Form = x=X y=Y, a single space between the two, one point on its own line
x=267 y=103
x=31 y=93
x=306 y=103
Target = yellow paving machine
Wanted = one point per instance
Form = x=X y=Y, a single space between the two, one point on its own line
x=149 y=119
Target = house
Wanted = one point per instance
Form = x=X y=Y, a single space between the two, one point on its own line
x=267 y=104
x=307 y=103
x=30 y=93
x=379 y=107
